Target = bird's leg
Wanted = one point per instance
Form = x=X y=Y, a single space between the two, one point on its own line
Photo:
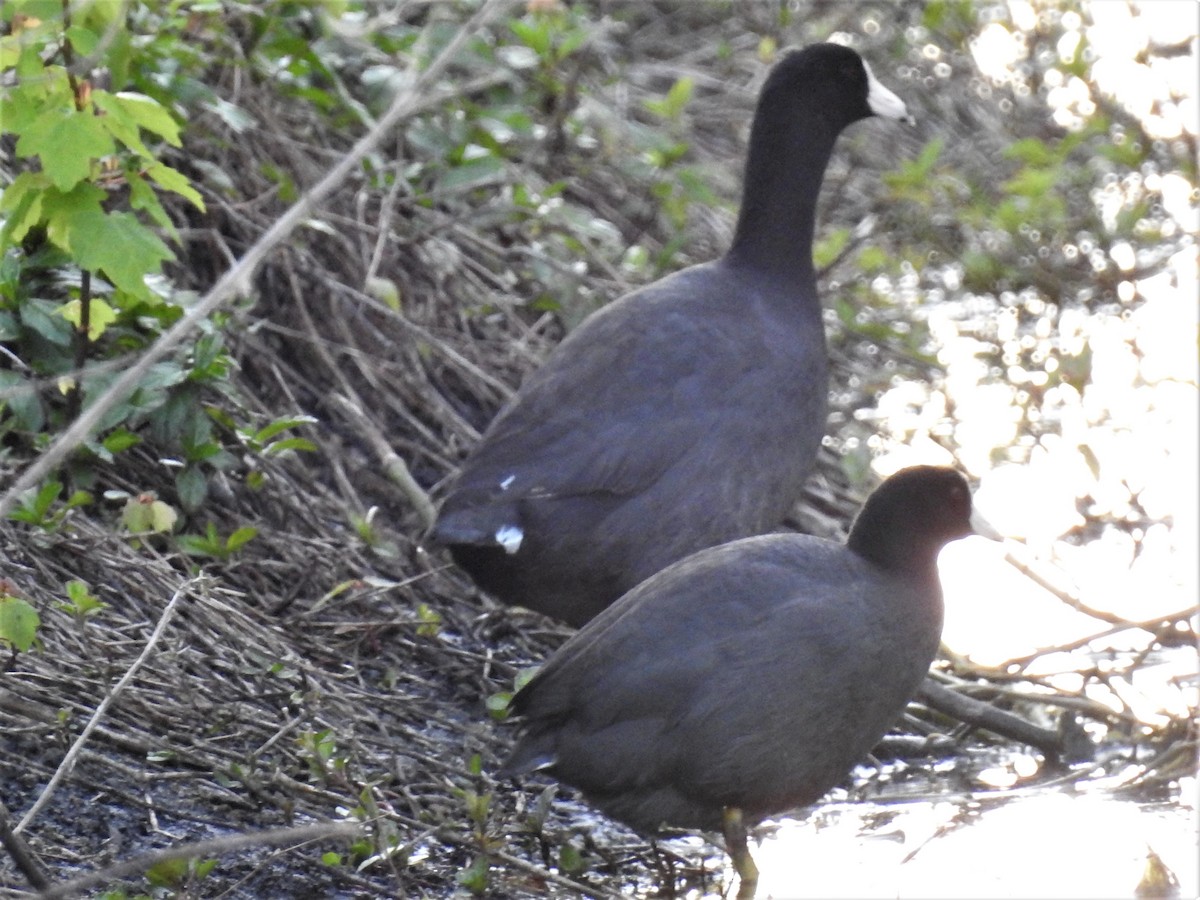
x=735 y=845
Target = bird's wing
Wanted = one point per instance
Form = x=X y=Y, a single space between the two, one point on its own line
x=619 y=403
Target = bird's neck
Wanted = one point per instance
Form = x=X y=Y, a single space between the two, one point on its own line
x=895 y=550
x=784 y=171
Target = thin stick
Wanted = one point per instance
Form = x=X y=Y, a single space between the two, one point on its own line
x=27 y=862
x=68 y=763
x=534 y=869
x=394 y=466
x=985 y=715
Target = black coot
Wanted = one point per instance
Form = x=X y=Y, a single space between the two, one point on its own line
x=746 y=679
x=685 y=414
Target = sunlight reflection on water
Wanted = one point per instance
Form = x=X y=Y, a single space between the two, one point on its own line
x=1047 y=844
x=1124 y=449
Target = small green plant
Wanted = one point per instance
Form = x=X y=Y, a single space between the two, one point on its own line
x=550 y=35
x=677 y=186
x=43 y=509
x=364 y=527
x=497 y=704
x=671 y=106
x=320 y=751
x=19 y=621
x=146 y=514
x=383 y=844
x=474 y=877
x=536 y=815
x=181 y=876
x=477 y=804
x=212 y=544
x=571 y=860
x=262 y=441
x=81 y=602
x=430 y=619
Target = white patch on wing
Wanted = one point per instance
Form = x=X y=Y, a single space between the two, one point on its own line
x=509 y=537
x=506 y=483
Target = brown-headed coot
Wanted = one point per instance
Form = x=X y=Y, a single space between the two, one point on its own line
x=687 y=413
x=747 y=679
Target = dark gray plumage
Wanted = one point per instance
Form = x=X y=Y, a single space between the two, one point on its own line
x=746 y=679
x=687 y=413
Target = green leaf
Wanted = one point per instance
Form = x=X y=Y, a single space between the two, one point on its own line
x=199 y=452
x=204 y=867
x=872 y=259
x=296 y=443
x=149 y=114
x=83 y=601
x=42 y=316
x=267 y=432
x=474 y=173
x=120 y=246
x=169 y=873
x=162 y=517
x=497 y=705
x=241 y=537
x=431 y=620
x=78 y=498
x=61 y=210
x=10 y=51
x=120 y=123
x=24 y=199
x=20 y=399
x=475 y=876
x=915 y=174
x=386 y=291
x=192 y=487
x=1031 y=182
x=143 y=197
x=67 y=142
x=45 y=497
x=570 y=860
x=171 y=180
x=534 y=35
x=829 y=246
x=83 y=40
x=30 y=66
x=524 y=676
x=1032 y=152
x=18 y=623
x=26 y=101
x=100 y=316
x=121 y=439
x=165 y=374
x=672 y=105
x=570 y=43
x=144 y=513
